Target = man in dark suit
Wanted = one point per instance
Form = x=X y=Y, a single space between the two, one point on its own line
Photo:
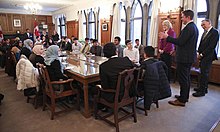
x=185 y=55
x=28 y=35
x=206 y=54
x=110 y=70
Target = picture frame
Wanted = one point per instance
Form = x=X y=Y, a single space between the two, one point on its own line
x=17 y=23
x=104 y=26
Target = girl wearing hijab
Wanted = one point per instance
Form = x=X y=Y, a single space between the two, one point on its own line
x=37 y=55
x=27 y=48
x=53 y=64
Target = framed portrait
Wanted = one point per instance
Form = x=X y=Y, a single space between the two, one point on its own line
x=17 y=23
x=105 y=27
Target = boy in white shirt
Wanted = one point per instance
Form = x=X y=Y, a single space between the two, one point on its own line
x=131 y=53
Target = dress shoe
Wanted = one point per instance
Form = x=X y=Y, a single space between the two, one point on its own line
x=178 y=96
x=197 y=90
x=198 y=94
x=176 y=103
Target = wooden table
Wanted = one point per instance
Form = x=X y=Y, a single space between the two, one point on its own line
x=84 y=69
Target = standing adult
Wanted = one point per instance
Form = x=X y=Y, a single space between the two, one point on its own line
x=28 y=35
x=166 y=48
x=185 y=54
x=206 y=54
x=140 y=47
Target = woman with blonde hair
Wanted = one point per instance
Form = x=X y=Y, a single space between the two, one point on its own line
x=166 y=49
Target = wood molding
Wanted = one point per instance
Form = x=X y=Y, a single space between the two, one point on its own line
x=27 y=21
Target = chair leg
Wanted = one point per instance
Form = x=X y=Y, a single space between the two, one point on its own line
x=145 y=112
x=78 y=100
x=95 y=107
x=44 y=101
x=35 y=101
x=134 y=111
x=28 y=98
x=52 y=108
x=157 y=104
x=116 y=119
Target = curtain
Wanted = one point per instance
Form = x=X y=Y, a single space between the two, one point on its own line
x=116 y=23
x=190 y=4
x=80 y=17
x=154 y=24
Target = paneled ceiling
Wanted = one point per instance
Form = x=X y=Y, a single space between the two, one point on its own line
x=47 y=5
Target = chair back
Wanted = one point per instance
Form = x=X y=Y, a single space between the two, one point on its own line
x=45 y=79
x=127 y=80
x=13 y=58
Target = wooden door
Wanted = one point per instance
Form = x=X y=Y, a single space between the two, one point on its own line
x=72 y=29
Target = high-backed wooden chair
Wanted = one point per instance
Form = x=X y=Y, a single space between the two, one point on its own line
x=126 y=79
x=49 y=92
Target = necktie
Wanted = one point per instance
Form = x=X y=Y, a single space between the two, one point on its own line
x=204 y=34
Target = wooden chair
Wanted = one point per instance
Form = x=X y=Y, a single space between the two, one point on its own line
x=195 y=71
x=127 y=79
x=48 y=91
x=140 y=93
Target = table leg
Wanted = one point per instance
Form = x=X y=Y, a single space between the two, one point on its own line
x=86 y=112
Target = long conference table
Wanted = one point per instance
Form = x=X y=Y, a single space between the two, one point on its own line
x=84 y=69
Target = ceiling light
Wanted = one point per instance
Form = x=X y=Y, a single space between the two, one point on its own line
x=33 y=7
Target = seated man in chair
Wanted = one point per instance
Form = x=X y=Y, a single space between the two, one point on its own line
x=110 y=69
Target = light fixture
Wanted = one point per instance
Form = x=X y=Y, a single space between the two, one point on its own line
x=33 y=7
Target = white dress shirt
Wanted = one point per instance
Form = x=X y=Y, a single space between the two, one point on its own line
x=132 y=54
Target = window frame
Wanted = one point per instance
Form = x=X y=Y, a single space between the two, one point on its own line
x=90 y=24
x=132 y=19
x=60 y=25
x=125 y=21
x=148 y=20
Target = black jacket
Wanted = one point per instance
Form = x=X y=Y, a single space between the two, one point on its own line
x=186 y=44
x=208 y=44
x=54 y=71
x=156 y=84
x=109 y=72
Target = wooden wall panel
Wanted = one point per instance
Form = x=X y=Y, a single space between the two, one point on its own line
x=3 y=22
x=214 y=74
x=10 y=23
x=106 y=34
x=27 y=21
x=175 y=20
x=72 y=29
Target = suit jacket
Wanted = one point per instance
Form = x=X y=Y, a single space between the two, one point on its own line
x=207 y=45
x=28 y=37
x=109 y=72
x=186 y=44
x=96 y=50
